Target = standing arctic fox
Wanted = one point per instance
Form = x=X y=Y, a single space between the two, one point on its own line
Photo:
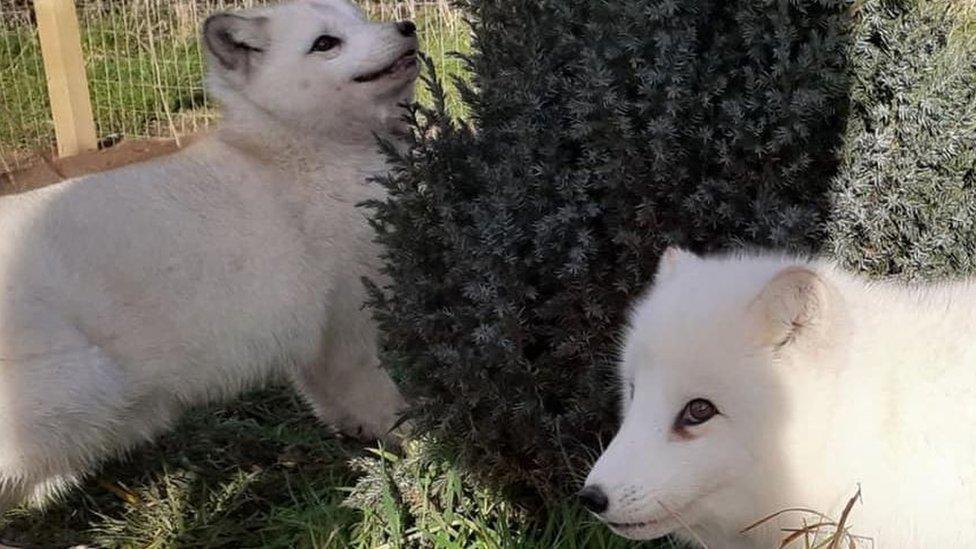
x=756 y=383
x=129 y=295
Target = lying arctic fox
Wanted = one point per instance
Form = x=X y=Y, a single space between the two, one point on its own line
x=128 y=295
x=752 y=384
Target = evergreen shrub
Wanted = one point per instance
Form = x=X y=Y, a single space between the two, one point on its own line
x=601 y=132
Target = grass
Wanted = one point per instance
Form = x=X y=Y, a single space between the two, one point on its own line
x=261 y=472
x=24 y=109
x=218 y=480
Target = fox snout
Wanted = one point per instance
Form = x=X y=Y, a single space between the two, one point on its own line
x=593 y=498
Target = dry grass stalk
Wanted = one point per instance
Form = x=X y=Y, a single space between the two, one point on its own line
x=837 y=532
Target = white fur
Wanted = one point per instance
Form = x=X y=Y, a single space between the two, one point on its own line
x=127 y=296
x=825 y=382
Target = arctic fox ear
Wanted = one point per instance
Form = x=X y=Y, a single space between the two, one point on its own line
x=235 y=42
x=670 y=258
x=793 y=305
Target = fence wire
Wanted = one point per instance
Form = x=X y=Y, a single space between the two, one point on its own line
x=25 y=118
x=145 y=66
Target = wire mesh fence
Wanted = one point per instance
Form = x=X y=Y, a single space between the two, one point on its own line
x=25 y=119
x=145 y=66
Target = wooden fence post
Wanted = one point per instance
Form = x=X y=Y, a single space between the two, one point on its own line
x=67 y=84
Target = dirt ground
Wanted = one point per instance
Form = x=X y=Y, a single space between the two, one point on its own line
x=47 y=171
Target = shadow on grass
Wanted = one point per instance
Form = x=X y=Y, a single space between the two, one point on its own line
x=260 y=471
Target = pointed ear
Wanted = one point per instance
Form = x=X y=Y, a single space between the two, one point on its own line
x=670 y=258
x=235 y=43
x=794 y=305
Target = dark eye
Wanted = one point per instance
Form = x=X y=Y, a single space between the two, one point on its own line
x=324 y=43
x=630 y=387
x=696 y=412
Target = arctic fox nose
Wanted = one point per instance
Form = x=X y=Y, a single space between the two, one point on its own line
x=406 y=28
x=593 y=498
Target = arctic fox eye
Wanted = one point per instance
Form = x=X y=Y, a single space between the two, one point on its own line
x=696 y=412
x=324 y=43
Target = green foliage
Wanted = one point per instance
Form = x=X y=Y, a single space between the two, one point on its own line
x=262 y=472
x=599 y=133
x=904 y=202
x=418 y=500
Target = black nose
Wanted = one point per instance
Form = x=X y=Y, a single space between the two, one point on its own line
x=593 y=498
x=406 y=28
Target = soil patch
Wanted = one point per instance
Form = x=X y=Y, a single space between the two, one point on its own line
x=47 y=171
